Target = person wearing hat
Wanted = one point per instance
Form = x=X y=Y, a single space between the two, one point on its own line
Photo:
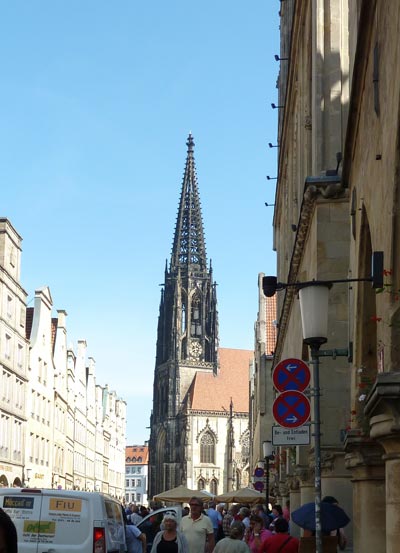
x=339 y=532
x=170 y=540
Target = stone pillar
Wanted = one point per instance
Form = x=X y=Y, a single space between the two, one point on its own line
x=295 y=503
x=364 y=460
x=307 y=488
x=336 y=482
x=383 y=408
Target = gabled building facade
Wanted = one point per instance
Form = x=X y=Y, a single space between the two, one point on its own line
x=13 y=359
x=58 y=428
x=187 y=357
x=136 y=474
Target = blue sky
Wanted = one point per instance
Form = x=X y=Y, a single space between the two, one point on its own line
x=96 y=102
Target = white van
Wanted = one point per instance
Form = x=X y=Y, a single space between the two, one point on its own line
x=61 y=521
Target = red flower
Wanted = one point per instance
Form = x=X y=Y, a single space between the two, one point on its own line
x=376 y=319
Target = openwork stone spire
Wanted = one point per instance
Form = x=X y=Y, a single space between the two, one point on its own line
x=189 y=246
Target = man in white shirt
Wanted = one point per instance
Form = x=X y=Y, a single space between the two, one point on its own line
x=197 y=528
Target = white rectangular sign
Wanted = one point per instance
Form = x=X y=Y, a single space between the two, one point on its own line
x=291 y=436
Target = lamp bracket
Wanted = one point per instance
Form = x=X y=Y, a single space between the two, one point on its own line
x=271 y=285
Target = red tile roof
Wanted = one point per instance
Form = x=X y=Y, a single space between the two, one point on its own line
x=210 y=392
x=136 y=452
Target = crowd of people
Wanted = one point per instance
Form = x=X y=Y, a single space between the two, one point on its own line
x=215 y=529
x=219 y=529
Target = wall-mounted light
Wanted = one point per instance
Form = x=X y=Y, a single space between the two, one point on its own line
x=269 y=205
x=278 y=58
x=270 y=145
x=274 y=106
x=271 y=178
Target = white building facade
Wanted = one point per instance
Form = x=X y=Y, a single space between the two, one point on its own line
x=58 y=427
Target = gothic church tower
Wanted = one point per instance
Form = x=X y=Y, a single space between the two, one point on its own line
x=187 y=338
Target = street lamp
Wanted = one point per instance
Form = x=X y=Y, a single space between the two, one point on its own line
x=314 y=297
x=268 y=454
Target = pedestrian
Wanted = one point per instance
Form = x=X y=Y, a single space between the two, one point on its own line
x=135 y=517
x=170 y=540
x=256 y=534
x=229 y=517
x=277 y=514
x=339 y=532
x=8 y=534
x=135 y=539
x=234 y=542
x=215 y=517
x=280 y=542
x=244 y=514
x=286 y=511
x=197 y=528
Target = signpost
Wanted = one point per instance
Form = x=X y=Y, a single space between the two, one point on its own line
x=291 y=436
x=291 y=374
x=291 y=409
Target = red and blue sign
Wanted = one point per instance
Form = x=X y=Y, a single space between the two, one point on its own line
x=291 y=409
x=291 y=374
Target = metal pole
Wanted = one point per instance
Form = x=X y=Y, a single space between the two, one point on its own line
x=267 y=483
x=317 y=448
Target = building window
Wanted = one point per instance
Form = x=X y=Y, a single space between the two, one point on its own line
x=207 y=448
x=7 y=350
x=214 y=487
x=201 y=484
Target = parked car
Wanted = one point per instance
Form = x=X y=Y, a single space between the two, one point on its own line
x=151 y=524
x=66 y=521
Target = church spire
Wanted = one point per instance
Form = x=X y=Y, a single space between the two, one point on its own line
x=189 y=246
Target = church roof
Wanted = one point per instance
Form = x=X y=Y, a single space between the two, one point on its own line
x=210 y=392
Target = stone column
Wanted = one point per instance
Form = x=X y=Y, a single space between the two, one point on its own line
x=307 y=491
x=364 y=460
x=295 y=503
x=383 y=408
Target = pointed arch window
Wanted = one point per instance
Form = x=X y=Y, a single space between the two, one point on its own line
x=214 y=487
x=195 y=323
x=207 y=448
x=183 y=318
x=201 y=484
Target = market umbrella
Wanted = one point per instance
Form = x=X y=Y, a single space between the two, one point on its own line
x=181 y=494
x=332 y=517
x=244 y=495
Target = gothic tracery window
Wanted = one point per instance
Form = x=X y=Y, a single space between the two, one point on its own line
x=207 y=448
x=214 y=487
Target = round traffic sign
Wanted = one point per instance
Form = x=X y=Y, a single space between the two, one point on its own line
x=259 y=486
x=291 y=374
x=291 y=409
x=259 y=472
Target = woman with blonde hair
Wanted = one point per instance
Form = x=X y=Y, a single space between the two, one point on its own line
x=170 y=540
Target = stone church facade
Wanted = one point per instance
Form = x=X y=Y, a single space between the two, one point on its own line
x=199 y=423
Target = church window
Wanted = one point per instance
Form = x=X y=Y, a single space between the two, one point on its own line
x=183 y=321
x=214 y=487
x=195 y=327
x=207 y=448
x=238 y=480
x=201 y=484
